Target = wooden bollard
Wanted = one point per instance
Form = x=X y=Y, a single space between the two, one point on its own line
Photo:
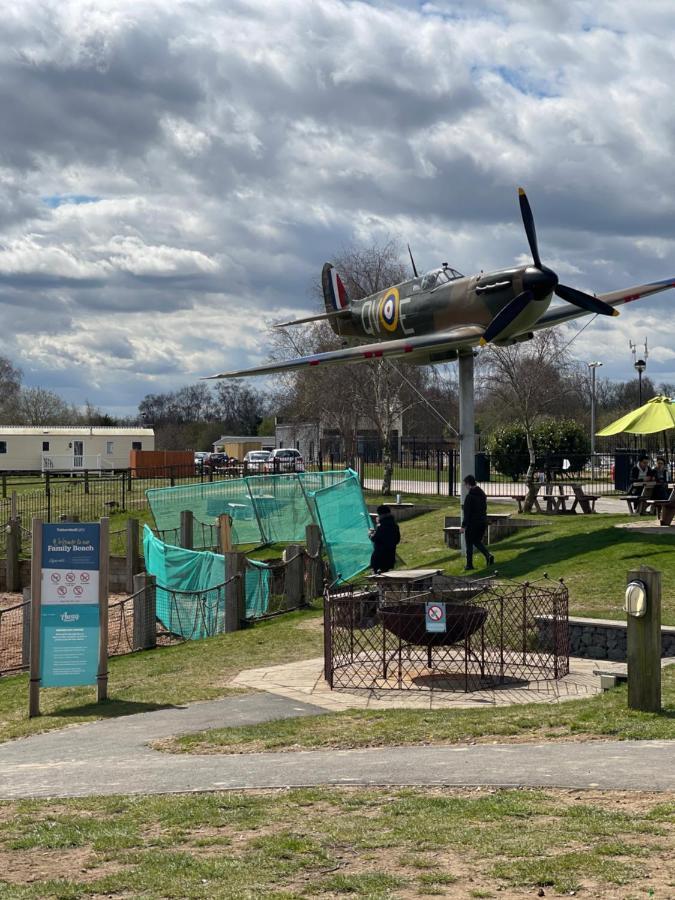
x=644 y=643
x=294 y=579
x=235 y=591
x=187 y=540
x=13 y=574
x=133 y=553
x=315 y=563
x=145 y=612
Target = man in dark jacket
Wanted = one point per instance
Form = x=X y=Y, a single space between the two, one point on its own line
x=385 y=538
x=474 y=522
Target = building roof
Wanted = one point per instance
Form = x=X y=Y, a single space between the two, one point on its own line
x=91 y=430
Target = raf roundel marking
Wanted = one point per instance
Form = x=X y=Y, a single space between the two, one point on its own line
x=389 y=305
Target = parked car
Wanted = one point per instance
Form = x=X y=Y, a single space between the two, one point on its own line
x=254 y=460
x=200 y=458
x=284 y=460
x=216 y=461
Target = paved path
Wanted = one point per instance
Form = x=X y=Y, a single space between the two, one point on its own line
x=112 y=757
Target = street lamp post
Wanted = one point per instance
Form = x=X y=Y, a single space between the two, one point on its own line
x=593 y=366
x=639 y=365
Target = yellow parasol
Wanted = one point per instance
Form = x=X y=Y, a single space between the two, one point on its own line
x=658 y=414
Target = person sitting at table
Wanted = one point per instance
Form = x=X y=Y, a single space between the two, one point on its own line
x=640 y=474
x=661 y=479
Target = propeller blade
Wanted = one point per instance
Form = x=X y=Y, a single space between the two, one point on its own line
x=528 y=222
x=505 y=316
x=585 y=301
x=414 y=267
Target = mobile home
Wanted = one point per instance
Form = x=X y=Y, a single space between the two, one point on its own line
x=70 y=448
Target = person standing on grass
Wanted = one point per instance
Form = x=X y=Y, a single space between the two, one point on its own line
x=474 y=522
x=385 y=538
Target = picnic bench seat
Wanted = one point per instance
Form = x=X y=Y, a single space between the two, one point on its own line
x=637 y=503
x=664 y=508
x=585 y=501
x=520 y=499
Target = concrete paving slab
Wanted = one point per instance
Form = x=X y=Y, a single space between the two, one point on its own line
x=305 y=679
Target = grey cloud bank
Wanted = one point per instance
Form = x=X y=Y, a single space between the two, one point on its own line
x=174 y=175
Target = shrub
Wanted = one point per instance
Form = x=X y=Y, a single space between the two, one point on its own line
x=554 y=441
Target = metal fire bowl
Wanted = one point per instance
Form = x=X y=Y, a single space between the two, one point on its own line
x=408 y=622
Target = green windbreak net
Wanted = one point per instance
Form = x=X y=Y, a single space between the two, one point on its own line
x=265 y=509
x=343 y=516
x=190 y=588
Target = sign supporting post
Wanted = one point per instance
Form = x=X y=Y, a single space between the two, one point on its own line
x=35 y=612
x=103 y=577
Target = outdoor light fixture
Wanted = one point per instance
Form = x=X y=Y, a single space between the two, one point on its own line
x=636 y=599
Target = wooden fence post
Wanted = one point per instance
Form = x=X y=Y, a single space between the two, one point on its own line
x=294 y=577
x=133 y=553
x=643 y=638
x=13 y=549
x=187 y=522
x=314 y=563
x=145 y=611
x=224 y=533
x=235 y=590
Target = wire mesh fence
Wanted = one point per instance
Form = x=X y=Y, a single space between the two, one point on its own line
x=14 y=637
x=468 y=635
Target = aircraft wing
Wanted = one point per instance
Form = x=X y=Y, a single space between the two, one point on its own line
x=614 y=298
x=411 y=348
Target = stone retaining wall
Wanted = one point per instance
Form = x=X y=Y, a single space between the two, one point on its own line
x=602 y=638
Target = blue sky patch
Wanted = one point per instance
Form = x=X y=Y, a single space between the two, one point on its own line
x=57 y=200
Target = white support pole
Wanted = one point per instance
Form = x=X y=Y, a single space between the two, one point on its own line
x=467 y=438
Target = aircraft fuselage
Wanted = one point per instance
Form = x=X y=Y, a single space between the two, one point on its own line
x=412 y=308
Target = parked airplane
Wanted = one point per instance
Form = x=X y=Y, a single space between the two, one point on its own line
x=433 y=317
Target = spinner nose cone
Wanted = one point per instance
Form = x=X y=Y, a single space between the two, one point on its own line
x=541 y=282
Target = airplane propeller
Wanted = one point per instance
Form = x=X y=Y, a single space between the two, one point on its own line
x=538 y=284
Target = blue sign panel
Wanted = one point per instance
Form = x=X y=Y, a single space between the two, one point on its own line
x=435 y=616
x=69 y=645
x=69 y=620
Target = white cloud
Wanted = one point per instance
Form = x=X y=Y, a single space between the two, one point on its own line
x=231 y=148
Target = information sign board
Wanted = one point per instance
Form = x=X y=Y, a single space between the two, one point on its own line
x=69 y=620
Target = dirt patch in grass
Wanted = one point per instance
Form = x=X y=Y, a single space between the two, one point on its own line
x=31 y=866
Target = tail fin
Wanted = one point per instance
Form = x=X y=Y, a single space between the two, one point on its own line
x=335 y=295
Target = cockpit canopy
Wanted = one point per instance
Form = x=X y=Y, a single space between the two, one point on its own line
x=436 y=277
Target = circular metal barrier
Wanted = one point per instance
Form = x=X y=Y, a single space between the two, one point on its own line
x=458 y=635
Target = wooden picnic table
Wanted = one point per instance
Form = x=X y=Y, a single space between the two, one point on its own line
x=557 y=503
x=639 y=501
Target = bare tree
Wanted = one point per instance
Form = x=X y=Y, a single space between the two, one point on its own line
x=10 y=386
x=38 y=406
x=529 y=381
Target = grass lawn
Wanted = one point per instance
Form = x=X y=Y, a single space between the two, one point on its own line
x=603 y=716
x=334 y=843
x=590 y=554
x=139 y=682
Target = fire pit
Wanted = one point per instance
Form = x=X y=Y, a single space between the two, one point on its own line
x=408 y=621
x=454 y=634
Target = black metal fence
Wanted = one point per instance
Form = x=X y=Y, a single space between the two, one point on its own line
x=427 y=469
x=493 y=634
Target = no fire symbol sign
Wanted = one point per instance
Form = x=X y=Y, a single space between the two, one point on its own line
x=435 y=616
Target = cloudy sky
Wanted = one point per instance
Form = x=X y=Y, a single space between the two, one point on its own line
x=174 y=174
